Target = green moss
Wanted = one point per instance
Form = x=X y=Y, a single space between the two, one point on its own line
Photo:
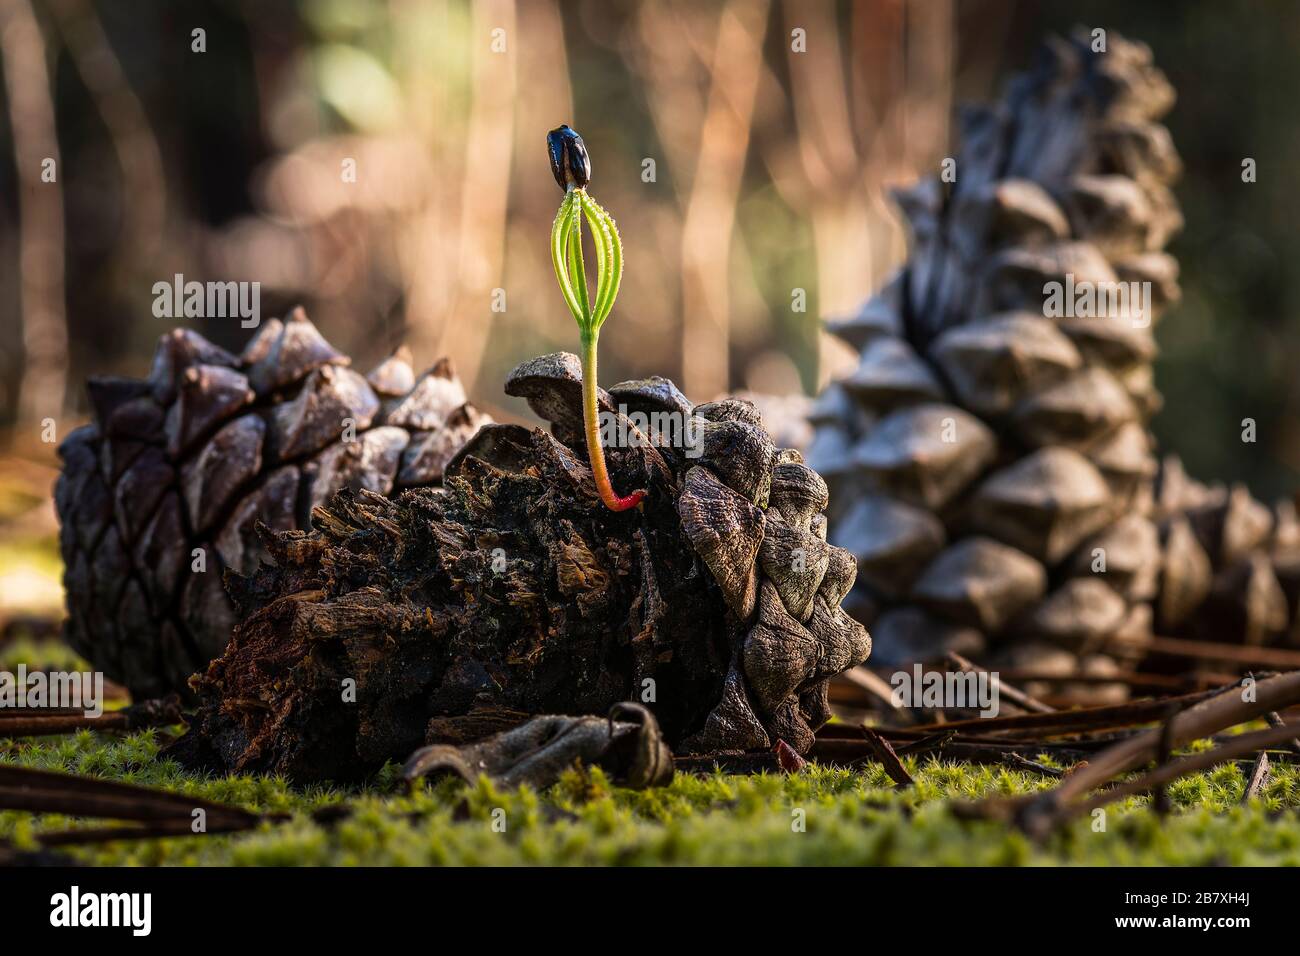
x=821 y=816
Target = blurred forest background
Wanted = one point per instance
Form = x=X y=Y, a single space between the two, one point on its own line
x=771 y=174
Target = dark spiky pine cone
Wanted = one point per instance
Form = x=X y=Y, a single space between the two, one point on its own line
x=984 y=456
x=176 y=471
x=515 y=591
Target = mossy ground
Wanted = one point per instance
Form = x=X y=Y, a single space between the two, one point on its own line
x=849 y=817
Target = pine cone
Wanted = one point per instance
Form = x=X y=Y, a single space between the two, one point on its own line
x=167 y=486
x=982 y=452
x=451 y=614
x=1231 y=567
x=990 y=466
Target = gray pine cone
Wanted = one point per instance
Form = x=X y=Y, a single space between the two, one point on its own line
x=989 y=460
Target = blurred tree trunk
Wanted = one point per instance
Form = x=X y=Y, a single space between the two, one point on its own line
x=40 y=205
x=145 y=211
x=715 y=187
x=485 y=170
x=856 y=134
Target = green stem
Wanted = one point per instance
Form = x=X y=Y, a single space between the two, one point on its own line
x=590 y=313
x=591 y=419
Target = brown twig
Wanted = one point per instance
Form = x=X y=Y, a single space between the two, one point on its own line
x=838 y=733
x=149 y=713
x=148 y=831
x=1061 y=722
x=1013 y=694
x=854 y=753
x=1042 y=812
x=1132 y=679
x=1165 y=751
x=926 y=744
x=1275 y=720
x=878 y=688
x=43 y=791
x=1021 y=762
x=1258 y=778
x=1238 y=747
x=884 y=753
x=1280 y=658
x=15 y=713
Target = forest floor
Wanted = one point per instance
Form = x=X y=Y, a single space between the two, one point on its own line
x=820 y=815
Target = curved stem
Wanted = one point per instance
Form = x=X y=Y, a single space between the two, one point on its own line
x=591 y=419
